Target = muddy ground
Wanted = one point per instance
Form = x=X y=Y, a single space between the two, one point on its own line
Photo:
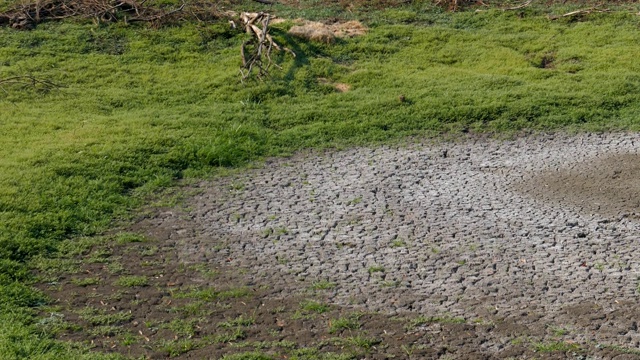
x=484 y=249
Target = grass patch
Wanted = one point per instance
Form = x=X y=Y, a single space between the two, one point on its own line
x=211 y=294
x=253 y=355
x=127 y=238
x=351 y=322
x=230 y=336
x=322 y=285
x=181 y=327
x=178 y=347
x=314 y=307
x=98 y=317
x=239 y=321
x=85 y=281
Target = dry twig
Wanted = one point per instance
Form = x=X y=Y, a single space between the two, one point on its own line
x=27 y=16
x=521 y=6
x=595 y=9
x=28 y=81
x=256 y=52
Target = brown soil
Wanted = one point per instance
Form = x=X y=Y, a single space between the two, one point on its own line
x=607 y=185
x=188 y=312
x=198 y=311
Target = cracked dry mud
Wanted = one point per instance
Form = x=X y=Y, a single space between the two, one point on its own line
x=533 y=232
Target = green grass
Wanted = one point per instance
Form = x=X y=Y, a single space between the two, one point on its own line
x=375 y=269
x=314 y=306
x=211 y=294
x=350 y=322
x=239 y=321
x=141 y=108
x=98 y=317
x=324 y=285
x=86 y=281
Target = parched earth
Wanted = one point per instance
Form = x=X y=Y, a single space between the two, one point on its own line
x=479 y=248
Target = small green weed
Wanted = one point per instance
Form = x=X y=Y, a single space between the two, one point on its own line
x=423 y=320
x=314 y=307
x=211 y=294
x=398 y=243
x=558 y=331
x=106 y=330
x=362 y=341
x=351 y=322
x=323 y=285
x=99 y=256
x=196 y=308
x=239 y=321
x=98 y=317
x=375 y=269
x=85 y=281
x=178 y=347
x=390 y=283
x=182 y=327
x=115 y=268
x=253 y=355
x=227 y=337
x=127 y=238
x=149 y=251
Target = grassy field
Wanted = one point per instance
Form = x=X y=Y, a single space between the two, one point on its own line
x=140 y=108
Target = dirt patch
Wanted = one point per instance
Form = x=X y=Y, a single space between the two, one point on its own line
x=421 y=252
x=606 y=184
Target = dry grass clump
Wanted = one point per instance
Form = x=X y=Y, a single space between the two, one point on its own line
x=340 y=87
x=317 y=31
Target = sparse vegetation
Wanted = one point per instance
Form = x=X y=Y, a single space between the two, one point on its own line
x=423 y=320
x=85 y=281
x=350 y=322
x=323 y=285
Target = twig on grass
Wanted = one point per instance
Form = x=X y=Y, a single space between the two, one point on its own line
x=261 y=44
x=521 y=6
x=28 y=80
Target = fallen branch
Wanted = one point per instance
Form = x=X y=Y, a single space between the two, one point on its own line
x=521 y=6
x=159 y=16
x=28 y=80
x=256 y=52
x=28 y=16
x=580 y=12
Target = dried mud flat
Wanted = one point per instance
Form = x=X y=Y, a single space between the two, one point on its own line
x=524 y=248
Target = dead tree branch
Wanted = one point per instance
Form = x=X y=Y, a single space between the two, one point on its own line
x=595 y=9
x=256 y=52
x=29 y=81
x=521 y=6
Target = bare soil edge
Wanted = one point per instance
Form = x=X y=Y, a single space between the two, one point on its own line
x=168 y=317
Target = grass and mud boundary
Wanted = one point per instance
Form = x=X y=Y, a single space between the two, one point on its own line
x=139 y=108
